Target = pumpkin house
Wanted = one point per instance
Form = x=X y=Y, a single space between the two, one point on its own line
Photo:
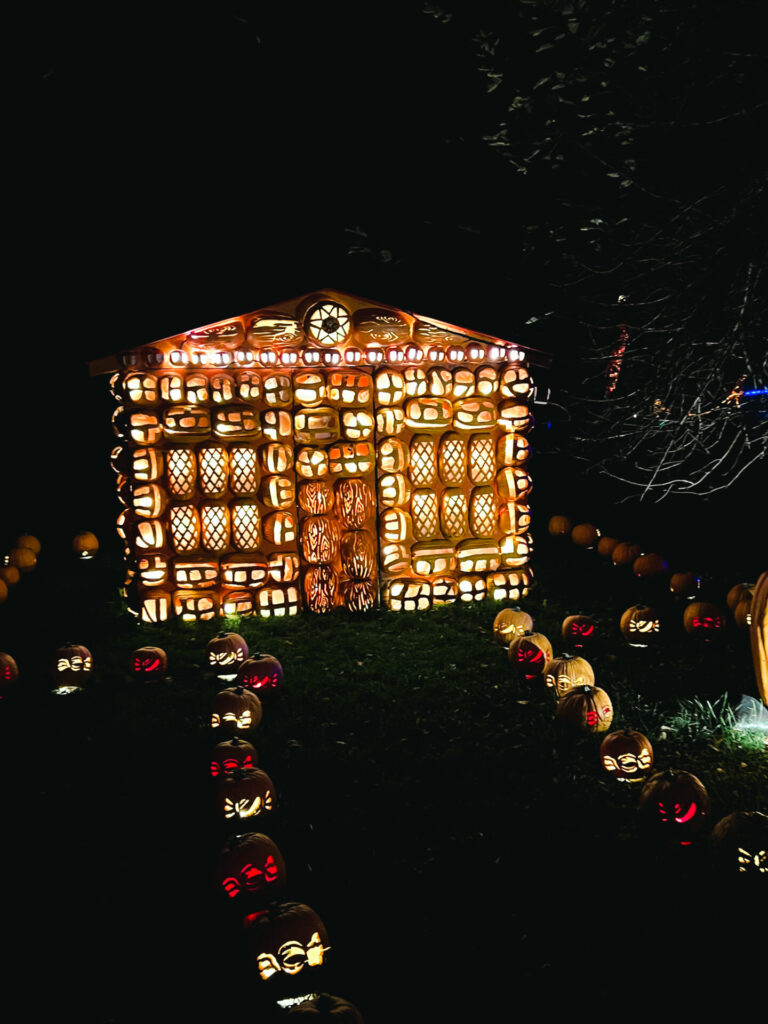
x=323 y=452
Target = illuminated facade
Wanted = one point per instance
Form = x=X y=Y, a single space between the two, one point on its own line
x=322 y=453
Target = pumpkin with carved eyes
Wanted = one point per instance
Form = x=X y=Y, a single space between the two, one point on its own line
x=251 y=870
x=586 y=708
x=674 y=805
x=626 y=755
x=704 y=620
x=567 y=671
x=232 y=754
x=149 y=664
x=260 y=673
x=73 y=667
x=738 y=846
x=324 y=1007
x=640 y=625
x=226 y=653
x=509 y=623
x=244 y=793
x=285 y=940
x=579 y=630
x=235 y=709
x=530 y=654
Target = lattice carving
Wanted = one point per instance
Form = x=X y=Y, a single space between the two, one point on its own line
x=482 y=464
x=422 y=465
x=214 y=520
x=246 y=526
x=453 y=459
x=453 y=513
x=424 y=510
x=483 y=512
x=243 y=470
x=213 y=470
x=185 y=528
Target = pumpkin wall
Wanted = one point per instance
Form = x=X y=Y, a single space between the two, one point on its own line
x=322 y=453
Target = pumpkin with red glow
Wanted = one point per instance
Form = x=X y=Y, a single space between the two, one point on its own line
x=509 y=623
x=244 y=793
x=649 y=565
x=284 y=940
x=260 y=673
x=231 y=755
x=738 y=846
x=226 y=653
x=9 y=674
x=640 y=626
x=235 y=709
x=579 y=630
x=326 y=1008
x=674 y=805
x=559 y=526
x=586 y=708
x=251 y=870
x=149 y=664
x=585 y=535
x=704 y=620
x=626 y=755
x=566 y=672
x=624 y=554
x=530 y=654
x=684 y=584
x=85 y=545
x=73 y=667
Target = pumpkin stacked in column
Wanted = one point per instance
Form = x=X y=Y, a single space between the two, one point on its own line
x=300 y=456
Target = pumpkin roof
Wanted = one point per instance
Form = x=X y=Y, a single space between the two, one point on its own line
x=321 y=320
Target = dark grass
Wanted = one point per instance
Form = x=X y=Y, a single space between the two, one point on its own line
x=460 y=848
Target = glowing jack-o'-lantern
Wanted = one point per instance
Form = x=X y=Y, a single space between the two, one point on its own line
x=9 y=674
x=704 y=620
x=251 y=870
x=320 y=587
x=85 y=545
x=354 y=503
x=567 y=671
x=260 y=673
x=579 y=630
x=509 y=623
x=232 y=754
x=320 y=537
x=235 y=709
x=640 y=625
x=674 y=805
x=624 y=554
x=225 y=653
x=530 y=653
x=626 y=755
x=738 y=846
x=585 y=535
x=244 y=793
x=284 y=940
x=684 y=584
x=649 y=565
x=73 y=668
x=586 y=708
x=149 y=664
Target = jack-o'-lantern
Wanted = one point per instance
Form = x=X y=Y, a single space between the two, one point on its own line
x=327 y=323
x=85 y=545
x=235 y=709
x=624 y=554
x=213 y=470
x=509 y=623
x=649 y=565
x=225 y=653
x=738 y=846
x=260 y=673
x=312 y=463
x=316 y=497
x=579 y=630
x=276 y=457
x=430 y=557
x=684 y=584
x=559 y=526
x=320 y=537
x=195 y=605
x=514 y=518
x=188 y=573
x=530 y=653
x=244 y=793
x=277 y=602
x=350 y=389
x=358 y=554
x=9 y=575
x=326 y=1007
x=9 y=674
x=585 y=535
x=246 y=524
x=359 y=595
x=181 y=472
x=742 y=613
x=510 y=586
x=280 y=528
x=284 y=940
x=626 y=755
x=586 y=708
x=704 y=620
x=277 y=491
x=149 y=664
x=284 y=567
x=674 y=805
x=72 y=668
x=251 y=870
x=566 y=672
x=185 y=528
x=606 y=546
x=640 y=626
x=395 y=557
x=320 y=586
x=354 y=503
x=408 y=595
x=351 y=459
x=236 y=603
x=231 y=754
x=392 y=455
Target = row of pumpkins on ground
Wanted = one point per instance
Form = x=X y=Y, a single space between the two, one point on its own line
x=22 y=557
x=673 y=803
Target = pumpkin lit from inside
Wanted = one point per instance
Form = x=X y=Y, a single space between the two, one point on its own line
x=738 y=846
x=260 y=673
x=704 y=620
x=626 y=755
x=250 y=870
x=586 y=708
x=235 y=709
x=73 y=668
x=530 y=654
x=674 y=805
x=509 y=623
x=326 y=1007
x=566 y=672
x=85 y=545
x=579 y=630
x=287 y=939
x=226 y=653
x=148 y=664
x=232 y=754
x=640 y=625
x=9 y=674
x=244 y=793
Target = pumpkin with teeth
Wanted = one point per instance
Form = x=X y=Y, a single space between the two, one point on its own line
x=285 y=939
x=244 y=793
x=626 y=755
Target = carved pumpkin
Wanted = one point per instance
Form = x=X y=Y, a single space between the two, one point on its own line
x=704 y=620
x=579 y=630
x=586 y=708
x=530 y=654
x=9 y=674
x=684 y=584
x=640 y=625
x=326 y=1008
x=260 y=673
x=235 y=709
x=319 y=539
x=358 y=554
x=738 y=846
x=354 y=503
x=73 y=667
x=624 y=554
x=585 y=535
x=225 y=653
x=626 y=755
x=232 y=754
x=566 y=672
x=675 y=805
x=244 y=793
x=359 y=595
x=85 y=545
x=27 y=540
x=650 y=565
x=251 y=870
x=149 y=664
x=320 y=586
x=606 y=546
x=284 y=940
x=316 y=497
x=559 y=526
x=509 y=623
